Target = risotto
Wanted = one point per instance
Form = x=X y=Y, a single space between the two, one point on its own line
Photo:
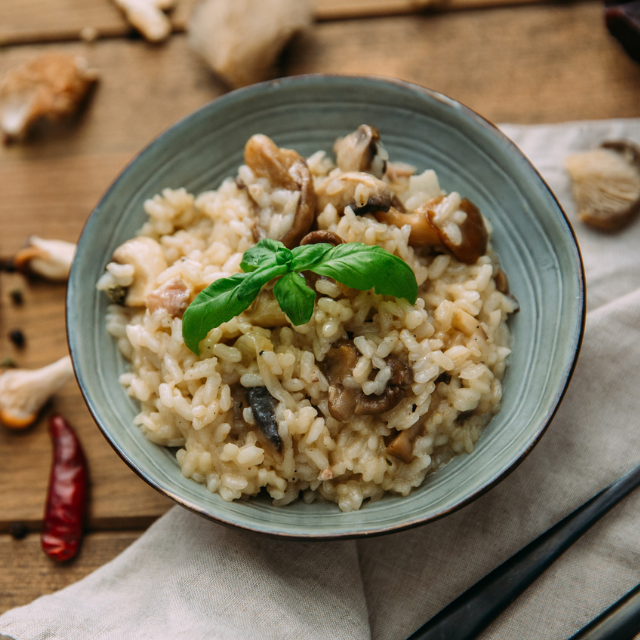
x=372 y=393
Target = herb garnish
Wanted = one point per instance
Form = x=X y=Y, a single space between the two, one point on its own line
x=353 y=264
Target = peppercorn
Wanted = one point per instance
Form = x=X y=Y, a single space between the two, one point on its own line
x=18 y=530
x=16 y=296
x=17 y=337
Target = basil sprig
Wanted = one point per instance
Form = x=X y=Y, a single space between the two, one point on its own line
x=354 y=264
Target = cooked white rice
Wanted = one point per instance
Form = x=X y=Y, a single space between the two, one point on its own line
x=455 y=340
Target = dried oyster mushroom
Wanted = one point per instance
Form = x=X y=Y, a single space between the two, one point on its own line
x=50 y=259
x=23 y=392
x=242 y=39
x=606 y=183
x=148 y=17
x=50 y=86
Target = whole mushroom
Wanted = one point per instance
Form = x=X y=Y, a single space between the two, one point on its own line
x=285 y=169
x=23 y=392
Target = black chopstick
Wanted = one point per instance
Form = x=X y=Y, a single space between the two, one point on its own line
x=621 y=621
x=477 y=607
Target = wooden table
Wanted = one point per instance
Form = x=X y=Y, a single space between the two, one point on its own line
x=511 y=61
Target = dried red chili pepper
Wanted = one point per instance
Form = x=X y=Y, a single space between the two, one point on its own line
x=66 y=499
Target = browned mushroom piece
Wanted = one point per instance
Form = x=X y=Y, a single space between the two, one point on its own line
x=340 y=361
x=423 y=233
x=402 y=445
x=606 y=183
x=373 y=404
x=362 y=151
x=471 y=241
x=361 y=191
x=322 y=237
x=401 y=374
x=459 y=229
x=286 y=169
x=344 y=403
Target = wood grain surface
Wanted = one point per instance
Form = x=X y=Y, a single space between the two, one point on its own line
x=27 y=573
x=524 y=63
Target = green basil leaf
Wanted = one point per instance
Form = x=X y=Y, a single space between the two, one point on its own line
x=365 y=267
x=309 y=254
x=214 y=305
x=295 y=298
x=251 y=285
x=260 y=254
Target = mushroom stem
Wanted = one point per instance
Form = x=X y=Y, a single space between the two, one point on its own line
x=50 y=259
x=24 y=392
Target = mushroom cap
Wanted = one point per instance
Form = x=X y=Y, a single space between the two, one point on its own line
x=606 y=184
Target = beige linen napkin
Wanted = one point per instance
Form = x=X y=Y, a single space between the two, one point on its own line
x=189 y=578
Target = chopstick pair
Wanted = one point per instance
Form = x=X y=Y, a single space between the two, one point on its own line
x=469 y=614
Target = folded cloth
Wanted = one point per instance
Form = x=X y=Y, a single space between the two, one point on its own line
x=190 y=578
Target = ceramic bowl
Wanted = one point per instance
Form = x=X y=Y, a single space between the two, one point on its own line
x=531 y=234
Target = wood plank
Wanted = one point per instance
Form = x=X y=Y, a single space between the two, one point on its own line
x=538 y=63
x=26 y=573
x=39 y=21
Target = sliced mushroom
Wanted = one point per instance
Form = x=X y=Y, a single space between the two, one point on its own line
x=173 y=296
x=286 y=169
x=51 y=86
x=344 y=403
x=447 y=221
x=373 y=405
x=24 y=392
x=322 y=237
x=263 y=406
x=147 y=259
x=362 y=151
x=606 y=183
x=402 y=445
x=401 y=374
x=361 y=191
x=423 y=233
x=50 y=259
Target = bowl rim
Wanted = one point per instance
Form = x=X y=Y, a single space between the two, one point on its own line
x=372 y=532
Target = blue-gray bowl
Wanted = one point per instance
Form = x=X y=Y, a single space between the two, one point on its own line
x=531 y=234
